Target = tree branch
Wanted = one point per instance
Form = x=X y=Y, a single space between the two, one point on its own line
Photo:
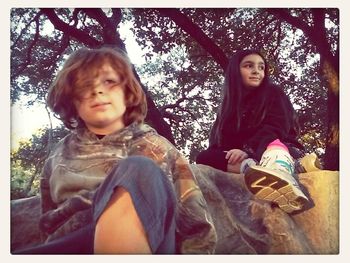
x=35 y=18
x=279 y=36
x=23 y=66
x=52 y=61
x=109 y=25
x=318 y=39
x=196 y=33
x=320 y=36
x=73 y=32
x=177 y=103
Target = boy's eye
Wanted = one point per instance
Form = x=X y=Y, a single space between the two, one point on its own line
x=110 y=81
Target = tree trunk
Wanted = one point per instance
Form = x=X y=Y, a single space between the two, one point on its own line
x=329 y=65
x=331 y=158
x=111 y=37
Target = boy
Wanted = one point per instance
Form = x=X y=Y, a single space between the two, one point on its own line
x=114 y=174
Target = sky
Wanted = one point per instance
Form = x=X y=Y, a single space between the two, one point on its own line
x=28 y=117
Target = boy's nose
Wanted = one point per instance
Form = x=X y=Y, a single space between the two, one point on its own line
x=98 y=89
x=95 y=92
x=98 y=92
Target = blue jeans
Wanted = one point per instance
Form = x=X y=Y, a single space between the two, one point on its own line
x=154 y=200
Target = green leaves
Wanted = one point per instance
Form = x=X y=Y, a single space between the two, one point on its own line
x=27 y=161
x=183 y=73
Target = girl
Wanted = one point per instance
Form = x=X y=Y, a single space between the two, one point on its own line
x=256 y=121
x=113 y=185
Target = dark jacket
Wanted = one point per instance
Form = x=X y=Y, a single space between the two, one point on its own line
x=278 y=123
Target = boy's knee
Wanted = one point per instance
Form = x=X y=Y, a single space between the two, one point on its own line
x=141 y=169
x=146 y=175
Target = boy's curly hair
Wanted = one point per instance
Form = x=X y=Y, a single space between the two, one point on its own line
x=78 y=73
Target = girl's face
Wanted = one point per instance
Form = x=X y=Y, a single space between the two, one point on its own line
x=102 y=106
x=252 y=69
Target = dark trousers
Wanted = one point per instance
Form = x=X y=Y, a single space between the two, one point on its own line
x=154 y=200
x=216 y=157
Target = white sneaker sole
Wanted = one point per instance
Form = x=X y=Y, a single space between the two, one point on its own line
x=269 y=185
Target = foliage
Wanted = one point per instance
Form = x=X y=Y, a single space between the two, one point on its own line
x=20 y=179
x=27 y=161
x=186 y=51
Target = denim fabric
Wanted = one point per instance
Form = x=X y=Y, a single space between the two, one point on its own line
x=153 y=197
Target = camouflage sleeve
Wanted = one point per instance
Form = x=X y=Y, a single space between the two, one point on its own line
x=54 y=215
x=195 y=229
x=46 y=201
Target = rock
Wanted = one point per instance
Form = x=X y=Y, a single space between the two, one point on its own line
x=268 y=228
x=321 y=223
x=25 y=214
x=244 y=224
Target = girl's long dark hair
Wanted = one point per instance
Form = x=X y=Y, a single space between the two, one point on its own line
x=231 y=108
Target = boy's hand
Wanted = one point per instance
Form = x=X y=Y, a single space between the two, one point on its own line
x=235 y=156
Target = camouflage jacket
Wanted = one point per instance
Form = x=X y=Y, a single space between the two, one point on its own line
x=81 y=161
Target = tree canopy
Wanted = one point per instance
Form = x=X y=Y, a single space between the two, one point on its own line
x=186 y=52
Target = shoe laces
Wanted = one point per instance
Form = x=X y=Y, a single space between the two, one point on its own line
x=284 y=164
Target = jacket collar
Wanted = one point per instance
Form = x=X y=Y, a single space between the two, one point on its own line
x=122 y=136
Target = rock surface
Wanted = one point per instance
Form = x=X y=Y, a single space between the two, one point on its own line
x=244 y=224
x=25 y=214
x=321 y=223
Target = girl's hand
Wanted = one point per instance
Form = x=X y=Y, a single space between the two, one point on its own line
x=235 y=156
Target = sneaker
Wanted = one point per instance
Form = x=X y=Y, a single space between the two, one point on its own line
x=309 y=163
x=272 y=180
x=246 y=163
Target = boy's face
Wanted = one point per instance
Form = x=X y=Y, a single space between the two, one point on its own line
x=103 y=106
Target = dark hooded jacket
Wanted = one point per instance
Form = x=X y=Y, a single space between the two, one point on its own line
x=279 y=122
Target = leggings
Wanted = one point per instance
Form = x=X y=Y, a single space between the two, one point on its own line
x=215 y=157
x=153 y=197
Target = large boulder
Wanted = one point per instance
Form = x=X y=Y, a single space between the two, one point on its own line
x=321 y=223
x=267 y=228
x=25 y=214
x=244 y=224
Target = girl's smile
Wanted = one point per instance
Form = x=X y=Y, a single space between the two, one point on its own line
x=252 y=69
